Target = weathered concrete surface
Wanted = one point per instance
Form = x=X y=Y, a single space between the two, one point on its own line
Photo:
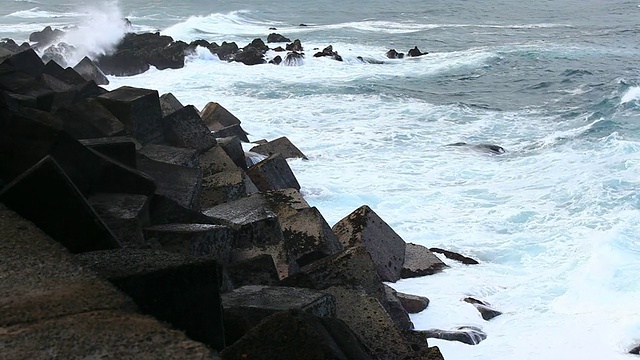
x=119 y=148
x=364 y=227
x=171 y=155
x=282 y=146
x=273 y=173
x=125 y=215
x=39 y=281
x=259 y=270
x=222 y=187
x=413 y=304
x=217 y=117
x=184 y=128
x=181 y=290
x=169 y=103
x=298 y=335
x=179 y=183
x=419 y=261
x=214 y=241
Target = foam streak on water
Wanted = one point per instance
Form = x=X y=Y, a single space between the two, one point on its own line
x=554 y=222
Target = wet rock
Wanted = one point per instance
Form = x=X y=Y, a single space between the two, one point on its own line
x=484 y=308
x=226 y=51
x=258 y=44
x=393 y=54
x=163 y=210
x=277 y=38
x=328 y=52
x=258 y=270
x=125 y=215
x=58 y=53
x=213 y=241
x=369 y=60
x=178 y=289
x=250 y=56
x=419 y=261
x=635 y=350
x=171 y=155
x=68 y=75
x=123 y=63
x=184 y=128
x=415 y=52
x=276 y=60
x=179 y=183
x=295 y=46
x=216 y=117
x=90 y=71
x=222 y=187
x=455 y=256
x=396 y=310
x=488 y=148
x=363 y=227
x=169 y=104
x=273 y=173
x=45 y=36
x=298 y=335
x=293 y=58
x=26 y=61
x=413 y=304
x=470 y=335
x=89 y=119
x=216 y=160
x=233 y=147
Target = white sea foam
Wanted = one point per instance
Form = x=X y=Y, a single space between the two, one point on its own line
x=218 y=27
x=632 y=94
x=35 y=13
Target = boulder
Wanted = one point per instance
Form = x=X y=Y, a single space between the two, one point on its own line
x=139 y=110
x=419 y=261
x=163 y=210
x=125 y=215
x=415 y=52
x=258 y=270
x=363 y=227
x=171 y=155
x=470 y=335
x=484 y=308
x=45 y=195
x=184 y=128
x=328 y=52
x=122 y=63
x=454 y=256
x=296 y=334
x=277 y=38
x=178 y=289
x=90 y=71
x=118 y=148
x=233 y=130
x=250 y=56
x=179 y=183
x=89 y=119
x=226 y=51
x=216 y=117
x=286 y=202
x=276 y=60
x=213 y=241
x=413 y=304
x=635 y=350
x=88 y=89
x=167 y=57
x=257 y=44
x=45 y=36
x=293 y=58
x=273 y=173
x=223 y=186
x=295 y=46
x=282 y=146
x=169 y=104
x=393 y=54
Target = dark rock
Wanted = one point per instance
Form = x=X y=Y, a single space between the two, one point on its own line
x=184 y=128
x=90 y=71
x=259 y=270
x=454 y=256
x=179 y=183
x=164 y=210
x=488 y=148
x=413 y=303
x=363 y=227
x=216 y=160
x=293 y=58
x=125 y=215
x=295 y=46
x=279 y=49
x=393 y=54
x=87 y=90
x=415 y=52
x=171 y=155
x=168 y=57
x=276 y=60
x=257 y=44
x=26 y=61
x=273 y=173
x=213 y=241
x=46 y=36
x=303 y=25
x=122 y=63
x=169 y=104
x=369 y=60
x=226 y=51
x=46 y=196
x=281 y=145
x=419 y=261
x=180 y=290
x=68 y=75
x=223 y=186
x=58 y=53
x=233 y=147
x=277 y=38
x=194 y=44
x=298 y=335
x=635 y=350
x=250 y=56
x=121 y=149
x=233 y=130
x=484 y=308
x=216 y=117
x=470 y=335
x=328 y=51
x=89 y=119
x=396 y=311
x=139 y=111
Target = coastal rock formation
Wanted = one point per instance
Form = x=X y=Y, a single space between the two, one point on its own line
x=277 y=38
x=455 y=256
x=328 y=52
x=489 y=148
x=484 y=308
x=470 y=335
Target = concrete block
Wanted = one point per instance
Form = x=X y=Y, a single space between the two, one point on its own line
x=164 y=210
x=90 y=71
x=259 y=270
x=419 y=261
x=216 y=160
x=273 y=173
x=222 y=187
x=27 y=61
x=68 y=75
x=233 y=147
x=185 y=128
x=178 y=183
x=45 y=195
x=125 y=215
x=139 y=111
x=171 y=155
x=216 y=117
x=118 y=148
x=282 y=146
x=169 y=104
x=232 y=130
x=214 y=241
x=89 y=119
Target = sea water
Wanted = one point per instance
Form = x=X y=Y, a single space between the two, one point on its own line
x=554 y=221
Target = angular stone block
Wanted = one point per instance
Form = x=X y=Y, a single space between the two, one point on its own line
x=245 y=307
x=231 y=131
x=469 y=335
x=396 y=311
x=455 y=256
x=87 y=90
x=89 y=119
x=178 y=289
x=281 y=146
x=121 y=336
x=308 y=237
x=45 y=195
x=233 y=147
x=285 y=202
x=419 y=261
x=164 y=210
x=70 y=77
x=125 y=215
x=185 y=128
x=222 y=187
x=259 y=270
x=169 y=104
x=171 y=155
x=364 y=227
x=39 y=280
x=27 y=61
x=273 y=173
x=216 y=160
x=139 y=111
x=119 y=148
x=298 y=335
x=216 y=117
x=214 y=241
x=413 y=303
x=90 y=71
x=179 y=183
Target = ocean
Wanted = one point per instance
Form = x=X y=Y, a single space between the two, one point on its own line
x=554 y=221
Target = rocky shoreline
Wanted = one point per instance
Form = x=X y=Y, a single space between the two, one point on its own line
x=138 y=227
